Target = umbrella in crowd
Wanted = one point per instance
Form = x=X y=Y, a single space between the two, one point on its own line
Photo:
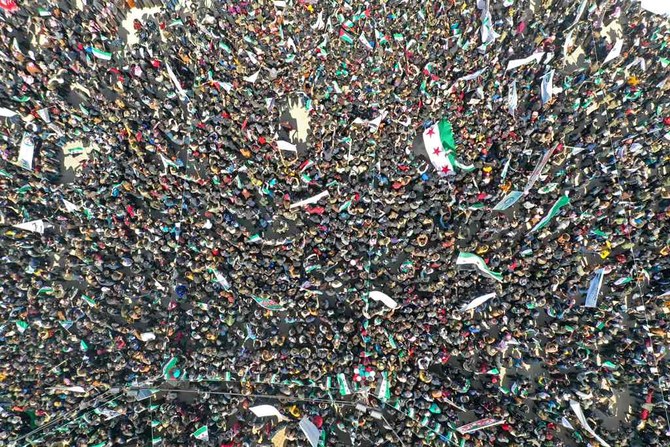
x=365 y=223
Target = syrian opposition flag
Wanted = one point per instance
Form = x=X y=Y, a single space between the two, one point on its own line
x=560 y=203
x=439 y=143
x=21 y=326
x=384 y=390
x=101 y=54
x=202 y=433
x=343 y=384
x=268 y=303
x=474 y=260
x=90 y=301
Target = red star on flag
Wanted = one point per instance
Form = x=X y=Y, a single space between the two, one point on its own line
x=437 y=151
x=445 y=169
x=431 y=132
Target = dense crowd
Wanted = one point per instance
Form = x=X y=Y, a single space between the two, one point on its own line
x=176 y=283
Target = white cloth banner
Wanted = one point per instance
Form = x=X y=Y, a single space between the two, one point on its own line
x=252 y=78
x=147 y=336
x=175 y=81
x=488 y=34
x=512 y=98
x=109 y=414
x=26 y=151
x=580 y=11
x=6 y=113
x=36 y=226
x=309 y=429
x=320 y=24
x=510 y=199
x=286 y=146
x=69 y=206
x=538 y=169
x=263 y=411
x=384 y=298
x=472 y=76
x=594 y=289
x=582 y=420
x=373 y=124
x=527 y=60
x=661 y=7
x=478 y=301
x=547 y=86
x=44 y=114
x=615 y=51
x=312 y=199
x=221 y=279
x=479 y=425
x=72 y=389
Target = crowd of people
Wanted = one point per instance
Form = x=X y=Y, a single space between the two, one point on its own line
x=204 y=260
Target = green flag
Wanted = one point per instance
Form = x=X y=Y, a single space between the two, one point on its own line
x=168 y=367
x=345 y=206
x=560 y=203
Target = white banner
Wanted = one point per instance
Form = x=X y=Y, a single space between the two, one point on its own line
x=478 y=301
x=26 y=151
x=582 y=420
x=312 y=199
x=661 y=7
x=384 y=298
x=175 y=81
x=479 y=425
x=309 y=429
x=614 y=52
x=580 y=11
x=69 y=206
x=36 y=226
x=594 y=289
x=512 y=98
x=510 y=199
x=6 y=113
x=526 y=60
x=546 y=90
x=286 y=146
x=538 y=169
x=267 y=411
